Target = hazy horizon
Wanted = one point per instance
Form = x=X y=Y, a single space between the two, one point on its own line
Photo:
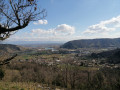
x=43 y=42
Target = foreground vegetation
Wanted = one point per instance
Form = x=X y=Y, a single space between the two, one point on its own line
x=65 y=76
x=19 y=86
x=47 y=70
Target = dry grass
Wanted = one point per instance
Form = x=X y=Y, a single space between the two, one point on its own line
x=23 y=86
x=19 y=86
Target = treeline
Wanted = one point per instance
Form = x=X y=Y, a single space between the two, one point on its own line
x=112 y=56
x=66 y=75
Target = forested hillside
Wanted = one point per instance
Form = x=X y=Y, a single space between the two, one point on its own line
x=92 y=43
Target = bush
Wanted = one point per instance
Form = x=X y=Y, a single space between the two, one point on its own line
x=1 y=74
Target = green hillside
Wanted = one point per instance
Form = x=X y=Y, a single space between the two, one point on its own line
x=92 y=43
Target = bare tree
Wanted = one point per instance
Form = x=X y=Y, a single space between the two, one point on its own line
x=6 y=61
x=17 y=14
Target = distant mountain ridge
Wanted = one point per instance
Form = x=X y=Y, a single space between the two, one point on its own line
x=9 y=48
x=92 y=43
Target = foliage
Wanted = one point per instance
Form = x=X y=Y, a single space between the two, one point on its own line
x=1 y=73
x=67 y=76
x=112 y=56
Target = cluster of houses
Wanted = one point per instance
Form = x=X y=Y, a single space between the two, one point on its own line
x=85 y=63
x=95 y=63
x=54 y=60
x=43 y=61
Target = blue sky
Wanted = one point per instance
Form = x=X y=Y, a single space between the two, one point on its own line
x=73 y=19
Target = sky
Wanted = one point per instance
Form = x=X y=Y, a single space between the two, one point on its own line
x=73 y=19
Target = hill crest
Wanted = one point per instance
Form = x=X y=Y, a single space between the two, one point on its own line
x=92 y=43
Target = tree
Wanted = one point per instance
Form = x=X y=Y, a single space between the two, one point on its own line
x=6 y=61
x=1 y=74
x=17 y=14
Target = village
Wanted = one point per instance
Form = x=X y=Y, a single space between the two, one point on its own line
x=79 y=57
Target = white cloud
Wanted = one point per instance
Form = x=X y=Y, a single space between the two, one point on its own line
x=42 y=32
x=65 y=29
x=104 y=26
x=61 y=32
x=62 y=29
x=41 y=22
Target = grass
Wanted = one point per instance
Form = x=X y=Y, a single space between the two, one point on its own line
x=19 y=86
x=24 y=86
x=47 y=57
x=78 y=67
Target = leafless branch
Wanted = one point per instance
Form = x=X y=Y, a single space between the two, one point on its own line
x=6 y=61
x=17 y=14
